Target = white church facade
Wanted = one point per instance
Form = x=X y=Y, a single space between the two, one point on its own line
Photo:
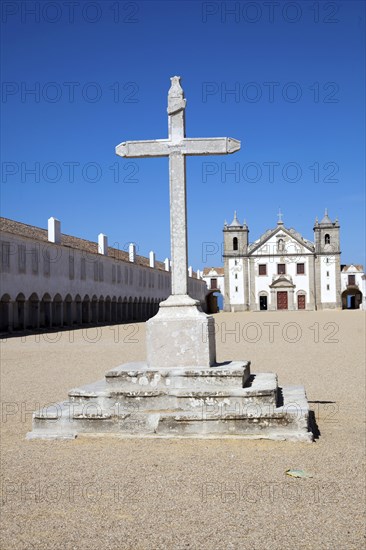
x=282 y=270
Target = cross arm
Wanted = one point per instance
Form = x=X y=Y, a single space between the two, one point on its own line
x=211 y=146
x=147 y=148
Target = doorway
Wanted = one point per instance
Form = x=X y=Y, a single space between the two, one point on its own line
x=263 y=303
x=282 y=302
x=351 y=299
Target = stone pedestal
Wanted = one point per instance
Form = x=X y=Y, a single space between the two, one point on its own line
x=180 y=391
x=180 y=335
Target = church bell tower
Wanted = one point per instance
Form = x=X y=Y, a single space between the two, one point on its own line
x=327 y=263
x=236 y=240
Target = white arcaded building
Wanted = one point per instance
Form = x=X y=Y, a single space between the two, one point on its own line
x=215 y=281
x=52 y=280
x=282 y=270
x=353 y=286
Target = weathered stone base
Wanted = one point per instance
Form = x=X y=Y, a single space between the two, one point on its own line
x=222 y=401
x=180 y=334
x=236 y=308
x=328 y=305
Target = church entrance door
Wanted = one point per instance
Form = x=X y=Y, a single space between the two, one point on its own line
x=301 y=301
x=282 y=300
x=263 y=303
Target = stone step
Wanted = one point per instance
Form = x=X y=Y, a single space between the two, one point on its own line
x=260 y=388
x=71 y=419
x=138 y=374
x=290 y=421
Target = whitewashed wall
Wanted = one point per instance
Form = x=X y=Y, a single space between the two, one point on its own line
x=220 y=281
x=328 y=278
x=134 y=280
x=236 y=269
x=358 y=278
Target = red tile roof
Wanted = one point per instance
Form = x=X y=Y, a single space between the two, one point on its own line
x=359 y=267
x=219 y=271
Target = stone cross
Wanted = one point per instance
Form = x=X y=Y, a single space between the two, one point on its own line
x=279 y=215
x=177 y=147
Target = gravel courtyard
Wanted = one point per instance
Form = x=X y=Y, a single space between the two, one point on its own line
x=110 y=493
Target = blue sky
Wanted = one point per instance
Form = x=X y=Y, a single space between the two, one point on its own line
x=285 y=78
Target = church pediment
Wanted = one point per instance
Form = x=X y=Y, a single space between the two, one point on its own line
x=282 y=282
x=292 y=243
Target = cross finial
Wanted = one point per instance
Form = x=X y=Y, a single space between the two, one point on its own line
x=279 y=215
x=175 y=87
x=176 y=101
x=326 y=212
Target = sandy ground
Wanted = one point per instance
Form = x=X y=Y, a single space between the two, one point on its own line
x=196 y=494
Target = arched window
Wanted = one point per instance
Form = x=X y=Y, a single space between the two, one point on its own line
x=235 y=243
x=327 y=239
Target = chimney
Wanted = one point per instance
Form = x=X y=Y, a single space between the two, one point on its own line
x=132 y=252
x=103 y=244
x=190 y=271
x=152 y=259
x=54 y=231
x=166 y=263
